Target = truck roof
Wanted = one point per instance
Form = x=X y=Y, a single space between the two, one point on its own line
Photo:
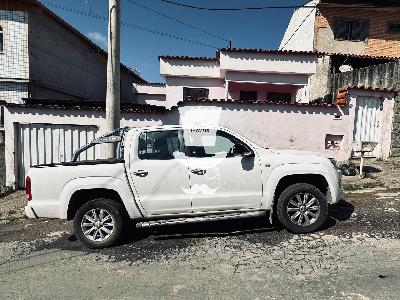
x=169 y=127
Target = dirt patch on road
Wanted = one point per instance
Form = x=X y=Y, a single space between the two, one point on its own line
x=12 y=207
x=379 y=175
x=14 y=225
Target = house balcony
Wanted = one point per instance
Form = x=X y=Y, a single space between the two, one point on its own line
x=273 y=93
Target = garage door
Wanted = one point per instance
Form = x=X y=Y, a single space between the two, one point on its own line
x=48 y=143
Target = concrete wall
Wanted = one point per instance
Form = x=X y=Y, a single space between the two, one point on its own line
x=64 y=66
x=282 y=63
x=320 y=129
x=286 y=126
x=16 y=115
x=320 y=82
x=324 y=129
x=175 y=85
x=299 y=34
x=234 y=89
x=189 y=67
x=152 y=94
x=151 y=99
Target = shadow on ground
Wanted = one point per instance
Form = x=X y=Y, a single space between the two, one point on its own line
x=339 y=212
x=151 y=243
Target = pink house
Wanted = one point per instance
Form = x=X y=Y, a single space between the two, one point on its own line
x=267 y=96
x=234 y=74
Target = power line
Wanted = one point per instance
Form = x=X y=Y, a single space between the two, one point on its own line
x=298 y=28
x=261 y=7
x=89 y=6
x=129 y=25
x=224 y=9
x=177 y=20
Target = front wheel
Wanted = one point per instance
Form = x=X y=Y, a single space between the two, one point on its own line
x=302 y=208
x=99 y=223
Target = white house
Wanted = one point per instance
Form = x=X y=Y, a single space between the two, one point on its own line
x=234 y=74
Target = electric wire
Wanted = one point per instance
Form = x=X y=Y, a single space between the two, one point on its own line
x=177 y=20
x=130 y=25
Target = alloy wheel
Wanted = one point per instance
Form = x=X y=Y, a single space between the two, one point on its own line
x=97 y=225
x=303 y=209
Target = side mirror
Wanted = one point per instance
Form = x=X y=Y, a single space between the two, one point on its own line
x=248 y=153
x=242 y=150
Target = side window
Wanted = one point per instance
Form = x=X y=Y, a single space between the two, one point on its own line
x=393 y=27
x=279 y=97
x=211 y=143
x=158 y=145
x=351 y=30
x=248 y=95
x=195 y=93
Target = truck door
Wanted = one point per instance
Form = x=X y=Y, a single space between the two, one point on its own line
x=159 y=176
x=224 y=175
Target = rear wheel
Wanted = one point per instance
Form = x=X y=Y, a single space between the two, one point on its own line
x=99 y=223
x=302 y=208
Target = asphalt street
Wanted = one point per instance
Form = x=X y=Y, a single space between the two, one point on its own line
x=356 y=256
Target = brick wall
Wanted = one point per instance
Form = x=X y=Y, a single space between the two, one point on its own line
x=380 y=42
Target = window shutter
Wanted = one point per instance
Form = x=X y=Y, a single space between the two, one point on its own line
x=360 y=30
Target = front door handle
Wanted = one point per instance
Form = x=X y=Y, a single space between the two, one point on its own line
x=141 y=173
x=199 y=171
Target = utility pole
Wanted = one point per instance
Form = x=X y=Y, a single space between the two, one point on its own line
x=113 y=71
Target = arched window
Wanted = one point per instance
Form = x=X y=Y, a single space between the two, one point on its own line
x=1 y=40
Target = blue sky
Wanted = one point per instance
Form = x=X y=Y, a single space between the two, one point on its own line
x=140 y=49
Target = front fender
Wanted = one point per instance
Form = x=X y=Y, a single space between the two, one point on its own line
x=330 y=174
x=111 y=183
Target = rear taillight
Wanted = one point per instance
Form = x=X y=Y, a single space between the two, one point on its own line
x=28 y=188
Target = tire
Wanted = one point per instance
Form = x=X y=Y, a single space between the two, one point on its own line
x=110 y=218
x=293 y=212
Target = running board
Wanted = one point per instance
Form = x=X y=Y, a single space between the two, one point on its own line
x=201 y=219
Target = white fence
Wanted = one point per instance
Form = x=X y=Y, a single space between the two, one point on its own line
x=48 y=143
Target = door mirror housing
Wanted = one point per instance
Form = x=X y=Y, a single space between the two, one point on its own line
x=248 y=153
x=242 y=150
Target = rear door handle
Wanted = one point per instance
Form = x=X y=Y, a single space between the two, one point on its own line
x=141 y=173
x=199 y=171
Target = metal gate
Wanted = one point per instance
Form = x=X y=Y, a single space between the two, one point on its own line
x=48 y=143
x=367 y=122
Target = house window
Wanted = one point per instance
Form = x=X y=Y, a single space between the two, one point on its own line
x=195 y=93
x=248 y=95
x=351 y=30
x=1 y=40
x=393 y=27
x=279 y=97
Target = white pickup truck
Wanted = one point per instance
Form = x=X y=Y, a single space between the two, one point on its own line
x=171 y=174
